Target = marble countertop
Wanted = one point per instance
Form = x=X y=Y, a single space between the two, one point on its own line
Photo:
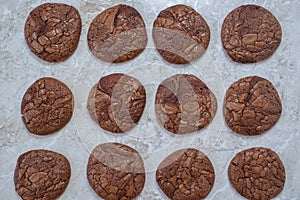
x=19 y=68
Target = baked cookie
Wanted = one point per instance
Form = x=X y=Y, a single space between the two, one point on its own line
x=116 y=171
x=257 y=173
x=250 y=34
x=184 y=104
x=117 y=102
x=117 y=34
x=251 y=106
x=47 y=106
x=52 y=31
x=186 y=174
x=41 y=174
x=180 y=34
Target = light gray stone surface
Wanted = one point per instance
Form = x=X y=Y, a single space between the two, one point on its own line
x=19 y=68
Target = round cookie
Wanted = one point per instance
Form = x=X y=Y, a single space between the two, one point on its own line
x=250 y=34
x=47 y=106
x=117 y=34
x=52 y=31
x=117 y=102
x=41 y=174
x=184 y=104
x=251 y=106
x=116 y=171
x=180 y=34
x=186 y=174
x=257 y=173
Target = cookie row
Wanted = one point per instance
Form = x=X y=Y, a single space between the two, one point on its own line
x=250 y=33
x=183 y=104
x=116 y=171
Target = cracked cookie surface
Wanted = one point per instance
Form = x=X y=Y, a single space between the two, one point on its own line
x=184 y=104
x=52 y=31
x=117 y=102
x=257 y=173
x=116 y=171
x=186 y=174
x=250 y=34
x=47 y=106
x=251 y=106
x=180 y=34
x=117 y=34
x=41 y=175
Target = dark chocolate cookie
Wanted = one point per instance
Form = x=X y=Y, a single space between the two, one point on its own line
x=250 y=33
x=251 y=106
x=47 y=106
x=116 y=171
x=117 y=34
x=117 y=102
x=52 y=31
x=41 y=174
x=186 y=174
x=184 y=104
x=257 y=173
x=180 y=34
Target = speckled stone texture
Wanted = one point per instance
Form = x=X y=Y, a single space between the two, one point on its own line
x=19 y=68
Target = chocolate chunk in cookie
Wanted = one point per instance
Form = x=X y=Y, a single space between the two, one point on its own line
x=117 y=102
x=116 y=171
x=52 y=31
x=186 y=174
x=250 y=34
x=47 y=106
x=41 y=174
x=257 y=173
x=180 y=34
x=117 y=34
x=251 y=106
x=184 y=104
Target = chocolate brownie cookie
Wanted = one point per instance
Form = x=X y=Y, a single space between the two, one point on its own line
x=251 y=106
x=117 y=34
x=180 y=34
x=41 y=174
x=117 y=102
x=250 y=33
x=186 y=174
x=47 y=106
x=52 y=31
x=257 y=173
x=116 y=171
x=184 y=104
